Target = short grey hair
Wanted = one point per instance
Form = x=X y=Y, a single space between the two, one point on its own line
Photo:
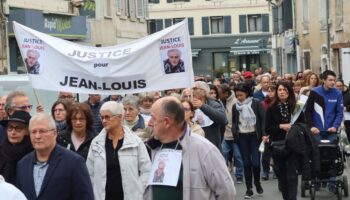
x=203 y=85
x=146 y=95
x=174 y=50
x=131 y=100
x=113 y=107
x=268 y=75
x=40 y=117
x=37 y=55
x=11 y=96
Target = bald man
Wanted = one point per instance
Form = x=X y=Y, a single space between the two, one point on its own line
x=203 y=173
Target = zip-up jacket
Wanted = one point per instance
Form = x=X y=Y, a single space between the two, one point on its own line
x=324 y=108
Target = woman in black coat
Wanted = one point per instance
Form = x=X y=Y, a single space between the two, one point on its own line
x=79 y=133
x=278 y=123
x=16 y=145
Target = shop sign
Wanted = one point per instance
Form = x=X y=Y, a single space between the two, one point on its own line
x=58 y=24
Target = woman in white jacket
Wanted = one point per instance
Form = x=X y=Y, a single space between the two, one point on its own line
x=118 y=161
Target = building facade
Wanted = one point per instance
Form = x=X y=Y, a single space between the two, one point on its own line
x=339 y=38
x=226 y=35
x=88 y=22
x=313 y=33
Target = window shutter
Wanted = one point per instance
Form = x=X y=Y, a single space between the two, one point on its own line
x=265 y=23
x=168 y=22
x=280 y=19
x=190 y=25
x=169 y=1
x=155 y=1
x=139 y=9
x=205 y=25
x=146 y=12
x=159 y=24
x=227 y=24
x=287 y=15
x=242 y=23
x=118 y=7
x=275 y=20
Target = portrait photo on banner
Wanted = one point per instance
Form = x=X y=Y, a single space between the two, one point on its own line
x=172 y=55
x=32 y=49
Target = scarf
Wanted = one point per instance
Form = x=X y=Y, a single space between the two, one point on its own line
x=246 y=114
x=284 y=111
x=131 y=124
x=10 y=155
x=145 y=111
x=61 y=126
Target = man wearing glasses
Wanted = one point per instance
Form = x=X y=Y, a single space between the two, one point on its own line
x=17 y=100
x=51 y=171
x=68 y=96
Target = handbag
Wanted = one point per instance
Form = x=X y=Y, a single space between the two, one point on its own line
x=279 y=148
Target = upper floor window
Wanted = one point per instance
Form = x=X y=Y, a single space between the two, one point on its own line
x=254 y=23
x=217 y=24
x=153 y=1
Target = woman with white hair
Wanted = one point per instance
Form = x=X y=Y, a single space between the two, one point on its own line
x=117 y=161
x=133 y=119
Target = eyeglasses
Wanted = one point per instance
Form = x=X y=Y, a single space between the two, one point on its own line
x=66 y=97
x=78 y=119
x=59 y=110
x=40 y=131
x=106 y=117
x=25 y=107
x=16 y=128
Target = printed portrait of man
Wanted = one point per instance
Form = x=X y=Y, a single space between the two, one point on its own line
x=31 y=61
x=174 y=63
x=159 y=173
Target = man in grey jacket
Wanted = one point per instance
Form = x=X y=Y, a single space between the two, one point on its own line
x=213 y=109
x=203 y=174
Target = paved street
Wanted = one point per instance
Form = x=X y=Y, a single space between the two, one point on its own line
x=271 y=191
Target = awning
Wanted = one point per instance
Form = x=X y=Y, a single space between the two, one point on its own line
x=248 y=50
x=195 y=52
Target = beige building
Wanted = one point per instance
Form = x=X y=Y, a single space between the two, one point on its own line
x=226 y=35
x=312 y=29
x=89 y=22
x=324 y=33
x=340 y=37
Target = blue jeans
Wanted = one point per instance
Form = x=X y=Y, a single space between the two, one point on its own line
x=227 y=146
x=249 y=146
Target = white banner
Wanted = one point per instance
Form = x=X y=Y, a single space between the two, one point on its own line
x=159 y=61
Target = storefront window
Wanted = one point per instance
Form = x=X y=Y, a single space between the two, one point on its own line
x=221 y=63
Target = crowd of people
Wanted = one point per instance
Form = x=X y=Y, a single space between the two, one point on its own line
x=189 y=143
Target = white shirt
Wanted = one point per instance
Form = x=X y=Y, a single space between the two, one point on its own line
x=10 y=192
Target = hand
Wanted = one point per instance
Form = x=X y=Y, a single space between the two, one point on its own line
x=39 y=108
x=197 y=103
x=332 y=130
x=315 y=130
x=265 y=139
x=285 y=127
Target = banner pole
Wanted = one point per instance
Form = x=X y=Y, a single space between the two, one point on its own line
x=25 y=67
